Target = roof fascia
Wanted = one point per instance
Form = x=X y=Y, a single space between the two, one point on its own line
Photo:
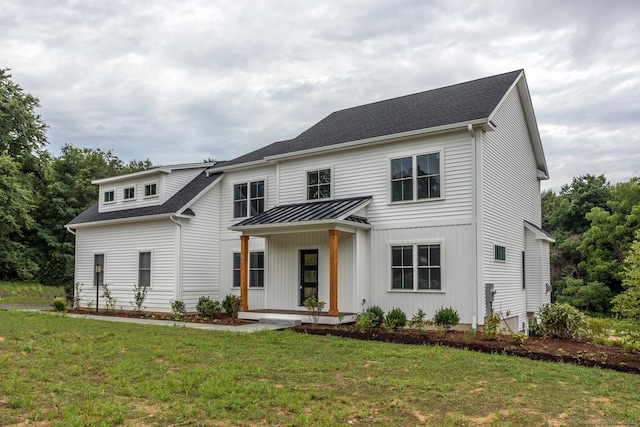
x=161 y=169
x=299 y=227
x=200 y=194
x=123 y=220
x=539 y=233
x=236 y=166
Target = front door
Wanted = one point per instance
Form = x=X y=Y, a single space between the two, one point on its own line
x=308 y=274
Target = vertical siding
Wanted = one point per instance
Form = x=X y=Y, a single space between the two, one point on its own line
x=510 y=194
x=533 y=271
x=457 y=286
x=256 y=295
x=121 y=243
x=201 y=250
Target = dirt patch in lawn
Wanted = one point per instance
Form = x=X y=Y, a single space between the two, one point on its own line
x=535 y=348
x=217 y=319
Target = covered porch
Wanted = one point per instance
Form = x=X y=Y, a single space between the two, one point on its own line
x=314 y=249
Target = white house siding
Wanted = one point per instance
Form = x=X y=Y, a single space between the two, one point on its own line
x=366 y=172
x=201 y=251
x=533 y=271
x=256 y=298
x=177 y=179
x=457 y=287
x=121 y=244
x=510 y=194
x=546 y=272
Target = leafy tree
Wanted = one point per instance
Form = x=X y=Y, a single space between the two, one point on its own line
x=575 y=201
x=627 y=304
x=592 y=296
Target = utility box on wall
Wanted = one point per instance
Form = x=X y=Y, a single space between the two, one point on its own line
x=489 y=296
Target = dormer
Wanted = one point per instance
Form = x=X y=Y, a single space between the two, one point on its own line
x=145 y=188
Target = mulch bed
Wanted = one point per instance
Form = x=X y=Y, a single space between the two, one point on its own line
x=535 y=348
x=218 y=319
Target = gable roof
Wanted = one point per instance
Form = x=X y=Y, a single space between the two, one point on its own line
x=464 y=103
x=178 y=204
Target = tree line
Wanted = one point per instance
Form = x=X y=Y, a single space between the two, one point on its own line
x=595 y=264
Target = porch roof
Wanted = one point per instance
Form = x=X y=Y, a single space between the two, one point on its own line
x=340 y=211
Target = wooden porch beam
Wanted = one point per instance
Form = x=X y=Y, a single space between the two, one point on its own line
x=244 y=274
x=333 y=272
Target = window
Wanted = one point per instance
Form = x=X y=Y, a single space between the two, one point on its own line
x=248 y=195
x=499 y=253
x=109 y=196
x=256 y=270
x=129 y=193
x=524 y=275
x=144 y=269
x=319 y=184
x=416 y=267
x=98 y=269
x=415 y=178
x=150 y=190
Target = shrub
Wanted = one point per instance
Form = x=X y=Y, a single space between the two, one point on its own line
x=109 y=301
x=231 y=304
x=518 y=339
x=208 y=307
x=60 y=304
x=446 y=318
x=562 y=321
x=491 y=326
x=179 y=309
x=378 y=313
x=418 y=320
x=314 y=307
x=366 y=320
x=76 y=295
x=395 y=319
x=599 y=327
x=139 y=295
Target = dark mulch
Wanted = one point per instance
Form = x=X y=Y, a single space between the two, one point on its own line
x=218 y=319
x=535 y=348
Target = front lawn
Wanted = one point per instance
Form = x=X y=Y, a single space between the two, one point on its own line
x=28 y=293
x=68 y=371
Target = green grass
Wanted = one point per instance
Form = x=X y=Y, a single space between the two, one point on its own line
x=28 y=293
x=58 y=370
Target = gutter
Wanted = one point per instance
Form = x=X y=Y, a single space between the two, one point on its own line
x=70 y=230
x=474 y=227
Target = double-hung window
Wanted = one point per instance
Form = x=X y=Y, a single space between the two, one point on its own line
x=319 y=184
x=416 y=178
x=109 y=196
x=416 y=267
x=256 y=269
x=129 y=193
x=150 y=190
x=248 y=199
x=144 y=269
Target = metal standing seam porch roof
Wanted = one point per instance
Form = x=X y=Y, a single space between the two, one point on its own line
x=310 y=212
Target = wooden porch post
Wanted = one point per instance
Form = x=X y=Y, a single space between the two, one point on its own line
x=244 y=274
x=333 y=272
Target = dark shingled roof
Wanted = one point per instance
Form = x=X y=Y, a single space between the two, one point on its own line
x=311 y=211
x=460 y=103
x=173 y=205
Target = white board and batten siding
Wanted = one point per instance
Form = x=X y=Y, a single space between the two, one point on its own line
x=121 y=245
x=200 y=263
x=510 y=194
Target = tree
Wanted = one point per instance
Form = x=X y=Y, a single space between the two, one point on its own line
x=592 y=296
x=627 y=304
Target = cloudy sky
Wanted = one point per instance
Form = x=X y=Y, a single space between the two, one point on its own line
x=178 y=82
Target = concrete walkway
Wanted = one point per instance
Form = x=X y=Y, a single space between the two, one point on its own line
x=254 y=327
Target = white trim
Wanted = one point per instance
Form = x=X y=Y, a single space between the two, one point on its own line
x=135 y=193
x=414 y=179
x=151 y=257
x=305 y=196
x=108 y=190
x=157 y=170
x=415 y=244
x=93 y=265
x=248 y=199
x=145 y=184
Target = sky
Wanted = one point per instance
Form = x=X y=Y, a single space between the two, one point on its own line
x=180 y=82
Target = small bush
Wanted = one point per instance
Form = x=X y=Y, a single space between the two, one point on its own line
x=314 y=307
x=109 y=300
x=208 y=307
x=446 y=318
x=562 y=321
x=418 y=320
x=139 y=295
x=179 y=309
x=231 y=304
x=378 y=313
x=366 y=321
x=60 y=304
x=395 y=319
x=519 y=338
x=491 y=326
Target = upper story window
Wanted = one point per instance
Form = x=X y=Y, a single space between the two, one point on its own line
x=109 y=196
x=248 y=199
x=151 y=189
x=129 y=193
x=415 y=177
x=499 y=253
x=319 y=184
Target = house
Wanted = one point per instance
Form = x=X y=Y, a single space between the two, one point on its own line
x=424 y=201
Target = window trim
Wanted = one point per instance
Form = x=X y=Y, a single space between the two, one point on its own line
x=124 y=193
x=498 y=251
x=249 y=199
x=415 y=244
x=104 y=270
x=150 y=183
x=104 y=194
x=234 y=269
x=414 y=178
x=331 y=182
x=138 y=269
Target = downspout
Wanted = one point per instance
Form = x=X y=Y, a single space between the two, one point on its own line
x=70 y=230
x=178 y=293
x=474 y=229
